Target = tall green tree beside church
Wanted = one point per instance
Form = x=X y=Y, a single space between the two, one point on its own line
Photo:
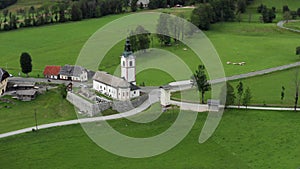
x=199 y=79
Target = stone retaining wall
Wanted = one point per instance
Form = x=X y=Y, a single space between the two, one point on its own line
x=123 y=106
x=85 y=106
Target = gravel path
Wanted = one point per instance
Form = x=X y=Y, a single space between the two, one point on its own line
x=281 y=25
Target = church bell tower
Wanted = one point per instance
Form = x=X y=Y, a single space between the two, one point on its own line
x=128 y=63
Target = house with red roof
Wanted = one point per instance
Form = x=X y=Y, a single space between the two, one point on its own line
x=52 y=72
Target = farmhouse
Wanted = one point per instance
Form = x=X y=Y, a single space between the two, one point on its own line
x=52 y=72
x=144 y=2
x=114 y=87
x=74 y=73
x=3 y=77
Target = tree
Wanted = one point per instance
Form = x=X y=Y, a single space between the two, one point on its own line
x=162 y=29
x=247 y=97
x=297 y=83
x=268 y=15
x=298 y=12
x=287 y=16
x=230 y=95
x=285 y=8
x=76 y=14
x=133 y=5
x=63 y=90
x=298 y=50
x=133 y=41
x=143 y=38
x=294 y=14
x=141 y=6
x=241 y=6
x=261 y=8
x=240 y=91
x=282 y=93
x=98 y=11
x=126 y=4
x=224 y=10
x=25 y=61
x=202 y=16
x=199 y=78
x=140 y=39
x=62 y=17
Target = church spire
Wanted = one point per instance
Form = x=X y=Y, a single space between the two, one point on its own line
x=127 y=48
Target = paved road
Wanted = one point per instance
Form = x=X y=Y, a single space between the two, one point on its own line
x=242 y=76
x=153 y=98
x=264 y=108
x=281 y=25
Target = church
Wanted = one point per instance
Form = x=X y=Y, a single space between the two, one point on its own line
x=119 y=88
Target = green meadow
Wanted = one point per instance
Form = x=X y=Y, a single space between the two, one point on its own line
x=293 y=25
x=265 y=89
x=243 y=139
x=235 y=42
x=50 y=107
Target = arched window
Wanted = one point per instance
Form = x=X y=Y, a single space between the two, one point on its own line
x=130 y=63
x=123 y=63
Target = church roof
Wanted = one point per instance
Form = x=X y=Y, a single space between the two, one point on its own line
x=117 y=82
x=110 y=80
x=3 y=74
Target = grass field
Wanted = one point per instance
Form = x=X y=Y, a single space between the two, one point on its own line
x=293 y=25
x=244 y=139
x=61 y=44
x=50 y=107
x=265 y=89
x=278 y=4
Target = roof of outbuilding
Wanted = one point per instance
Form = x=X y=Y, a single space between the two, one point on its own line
x=70 y=70
x=3 y=74
x=26 y=92
x=52 y=70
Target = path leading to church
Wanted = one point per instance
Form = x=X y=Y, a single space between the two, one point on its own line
x=153 y=98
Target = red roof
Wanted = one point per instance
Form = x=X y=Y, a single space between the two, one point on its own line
x=52 y=70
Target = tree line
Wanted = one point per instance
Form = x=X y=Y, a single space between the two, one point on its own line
x=62 y=11
x=213 y=11
x=6 y=3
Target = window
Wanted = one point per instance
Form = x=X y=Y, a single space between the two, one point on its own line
x=130 y=63
x=123 y=63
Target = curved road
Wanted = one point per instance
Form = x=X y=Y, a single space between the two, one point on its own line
x=281 y=25
x=153 y=98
